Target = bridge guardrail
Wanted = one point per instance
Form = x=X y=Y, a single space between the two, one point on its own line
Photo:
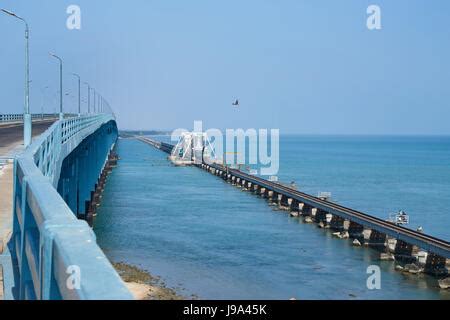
x=5 y=118
x=57 y=254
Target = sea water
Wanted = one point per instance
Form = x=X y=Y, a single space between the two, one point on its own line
x=207 y=238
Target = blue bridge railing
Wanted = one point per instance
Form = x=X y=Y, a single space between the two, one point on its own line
x=55 y=255
x=19 y=117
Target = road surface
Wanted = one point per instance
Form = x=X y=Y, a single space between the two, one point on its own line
x=11 y=136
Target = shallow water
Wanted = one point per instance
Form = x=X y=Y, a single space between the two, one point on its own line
x=218 y=242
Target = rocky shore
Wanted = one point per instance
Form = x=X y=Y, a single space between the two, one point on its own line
x=143 y=285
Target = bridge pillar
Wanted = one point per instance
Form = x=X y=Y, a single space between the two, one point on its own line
x=289 y=202
x=262 y=191
x=320 y=217
x=249 y=186
x=279 y=198
x=314 y=212
x=309 y=214
x=293 y=207
x=366 y=235
x=346 y=225
x=336 y=222
x=83 y=184
x=283 y=203
x=391 y=243
x=301 y=208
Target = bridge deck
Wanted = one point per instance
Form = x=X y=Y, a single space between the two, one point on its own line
x=11 y=135
x=424 y=241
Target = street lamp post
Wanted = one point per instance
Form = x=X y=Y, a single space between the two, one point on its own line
x=27 y=129
x=94 y=98
x=79 y=93
x=89 y=97
x=61 y=115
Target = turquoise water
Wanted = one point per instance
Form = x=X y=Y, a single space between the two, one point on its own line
x=213 y=240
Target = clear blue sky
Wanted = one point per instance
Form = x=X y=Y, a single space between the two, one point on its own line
x=300 y=66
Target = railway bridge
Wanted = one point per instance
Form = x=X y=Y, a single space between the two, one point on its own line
x=392 y=240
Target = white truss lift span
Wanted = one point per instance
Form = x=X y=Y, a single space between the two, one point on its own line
x=192 y=148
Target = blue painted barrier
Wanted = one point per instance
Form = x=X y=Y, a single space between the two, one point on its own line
x=56 y=255
x=5 y=118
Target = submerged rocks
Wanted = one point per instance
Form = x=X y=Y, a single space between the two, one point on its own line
x=399 y=267
x=412 y=268
x=387 y=256
x=356 y=243
x=342 y=235
x=308 y=220
x=293 y=214
x=143 y=285
x=444 y=283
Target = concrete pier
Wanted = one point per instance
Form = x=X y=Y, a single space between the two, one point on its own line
x=366 y=233
x=96 y=195
x=301 y=208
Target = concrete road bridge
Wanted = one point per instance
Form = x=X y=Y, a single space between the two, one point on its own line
x=49 y=192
